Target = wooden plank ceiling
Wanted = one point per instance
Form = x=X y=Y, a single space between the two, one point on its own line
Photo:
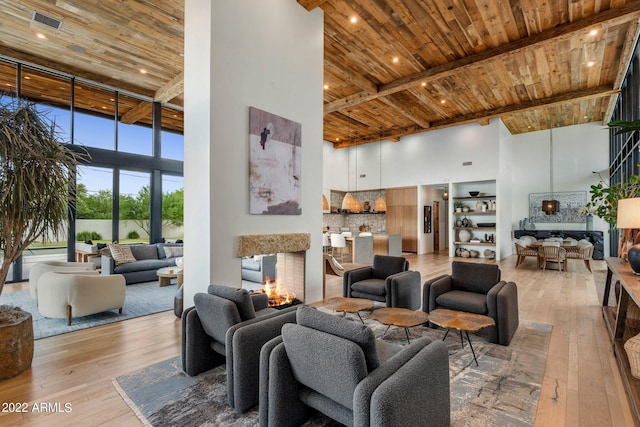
x=533 y=64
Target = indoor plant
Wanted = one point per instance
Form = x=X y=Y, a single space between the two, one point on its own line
x=35 y=172
x=604 y=198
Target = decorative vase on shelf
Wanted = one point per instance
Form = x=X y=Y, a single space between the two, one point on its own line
x=589 y=222
x=464 y=235
x=465 y=209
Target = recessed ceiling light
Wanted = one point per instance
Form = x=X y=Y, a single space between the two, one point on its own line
x=424 y=84
x=395 y=60
x=529 y=127
x=41 y=36
x=591 y=63
x=76 y=48
x=27 y=78
x=337 y=139
x=585 y=117
x=143 y=71
x=353 y=19
x=593 y=32
x=326 y=87
x=442 y=101
x=104 y=108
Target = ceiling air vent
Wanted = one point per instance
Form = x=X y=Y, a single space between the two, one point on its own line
x=46 y=20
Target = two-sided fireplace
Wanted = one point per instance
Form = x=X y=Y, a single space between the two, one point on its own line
x=291 y=251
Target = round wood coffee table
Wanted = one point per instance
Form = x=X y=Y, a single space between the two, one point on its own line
x=165 y=275
x=462 y=321
x=400 y=317
x=349 y=305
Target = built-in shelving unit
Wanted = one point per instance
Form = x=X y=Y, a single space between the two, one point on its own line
x=473 y=237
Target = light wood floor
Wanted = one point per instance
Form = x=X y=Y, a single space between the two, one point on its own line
x=581 y=385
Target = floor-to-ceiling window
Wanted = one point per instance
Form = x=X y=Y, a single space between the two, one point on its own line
x=94 y=206
x=624 y=149
x=115 y=130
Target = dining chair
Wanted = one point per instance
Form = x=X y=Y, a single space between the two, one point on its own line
x=338 y=241
x=325 y=242
x=551 y=251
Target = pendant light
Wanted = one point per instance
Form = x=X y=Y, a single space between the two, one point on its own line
x=357 y=207
x=552 y=206
x=348 y=202
x=381 y=203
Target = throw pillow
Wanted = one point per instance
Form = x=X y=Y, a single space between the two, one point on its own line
x=173 y=251
x=121 y=254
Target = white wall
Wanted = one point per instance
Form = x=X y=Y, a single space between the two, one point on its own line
x=268 y=55
x=504 y=193
x=519 y=164
x=577 y=152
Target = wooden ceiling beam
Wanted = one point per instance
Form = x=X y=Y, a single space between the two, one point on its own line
x=173 y=88
x=311 y=4
x=141 y=110
x=608 y=17
x=406 y=112
x=487 y=115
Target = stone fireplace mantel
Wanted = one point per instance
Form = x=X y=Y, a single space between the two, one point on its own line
x=260 y=244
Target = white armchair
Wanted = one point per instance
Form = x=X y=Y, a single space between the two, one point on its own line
x=39 y=268
x=68 y=295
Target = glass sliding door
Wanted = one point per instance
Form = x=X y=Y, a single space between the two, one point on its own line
x=135 y=207
x=172 y=207
x=94 y=204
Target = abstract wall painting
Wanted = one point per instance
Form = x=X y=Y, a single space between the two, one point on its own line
x=275 y=157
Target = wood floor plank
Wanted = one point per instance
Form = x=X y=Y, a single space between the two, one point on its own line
x=581 y=385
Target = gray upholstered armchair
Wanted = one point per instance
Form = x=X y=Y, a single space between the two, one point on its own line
x=335 y=366
x=476 y=288
x=387 y=280
x=229 y=325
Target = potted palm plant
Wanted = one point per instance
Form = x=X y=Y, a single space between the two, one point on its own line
x=35 y=172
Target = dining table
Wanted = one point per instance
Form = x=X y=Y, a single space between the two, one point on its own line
x=567 y=245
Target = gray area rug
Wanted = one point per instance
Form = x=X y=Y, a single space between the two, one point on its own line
x=502 y=391
x=141 y=299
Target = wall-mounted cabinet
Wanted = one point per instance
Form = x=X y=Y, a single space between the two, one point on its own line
x=474 y=220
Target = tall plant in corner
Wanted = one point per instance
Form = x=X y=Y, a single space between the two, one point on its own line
x=35 y=172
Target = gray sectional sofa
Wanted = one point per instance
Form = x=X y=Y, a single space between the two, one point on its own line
x=258 y=268
x=149 y=258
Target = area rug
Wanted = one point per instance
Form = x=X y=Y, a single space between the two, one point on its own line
x=502 y=391
x=141 y=299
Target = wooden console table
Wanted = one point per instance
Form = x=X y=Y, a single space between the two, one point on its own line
x=618 y=326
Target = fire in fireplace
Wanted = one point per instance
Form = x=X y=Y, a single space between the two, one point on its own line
x=277 y=293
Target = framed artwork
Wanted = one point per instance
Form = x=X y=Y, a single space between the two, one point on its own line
x=427 y=219
x=275 y=157
x=570 y=204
